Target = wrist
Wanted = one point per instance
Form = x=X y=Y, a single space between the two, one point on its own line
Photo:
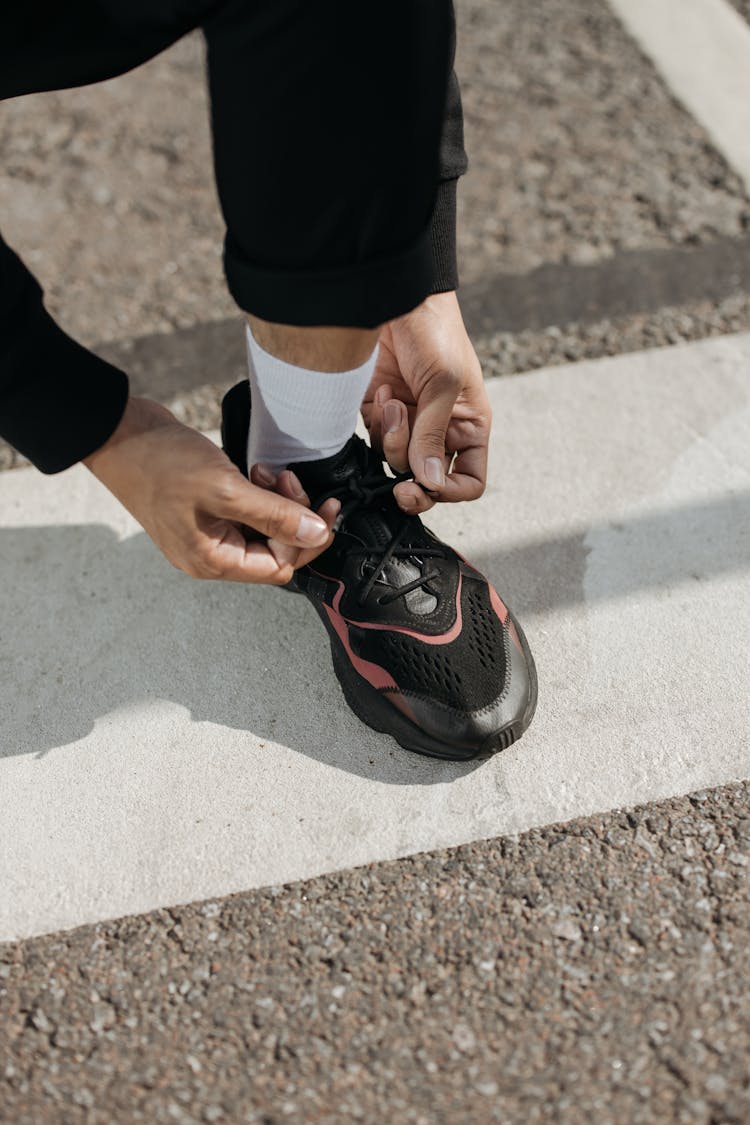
x=438 y=306
x=140 y=416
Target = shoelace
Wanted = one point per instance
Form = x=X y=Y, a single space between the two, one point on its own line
x=365 y=491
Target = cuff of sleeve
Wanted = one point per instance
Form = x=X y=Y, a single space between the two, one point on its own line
x=59 y=402
x=444 y=257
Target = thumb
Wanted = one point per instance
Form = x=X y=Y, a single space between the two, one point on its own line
x=427 y=446
x=272 y=515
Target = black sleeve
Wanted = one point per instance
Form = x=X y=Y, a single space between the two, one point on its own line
x=58 y=401
x=453 y=163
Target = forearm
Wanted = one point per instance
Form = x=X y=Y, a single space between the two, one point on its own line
x=58 y=401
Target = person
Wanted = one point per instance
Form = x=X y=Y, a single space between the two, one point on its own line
x=338 y=142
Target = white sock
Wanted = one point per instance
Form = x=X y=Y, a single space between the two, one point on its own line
x=300 y=415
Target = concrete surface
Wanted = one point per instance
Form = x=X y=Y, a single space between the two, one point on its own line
x=146 y=715
x=591 y=974
x=702 y=49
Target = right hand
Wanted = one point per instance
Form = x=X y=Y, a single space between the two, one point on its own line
x=194 y=503
x=427 y=402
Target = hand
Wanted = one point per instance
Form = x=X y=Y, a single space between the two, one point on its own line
x=194 y=503
x=427 y=403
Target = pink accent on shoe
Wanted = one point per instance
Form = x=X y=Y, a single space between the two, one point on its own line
x=442 y=639
x=502 y=612
x=397 y=699
x=373 y=673
x=498 y=604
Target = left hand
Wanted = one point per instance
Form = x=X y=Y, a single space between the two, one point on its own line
x=427 y=404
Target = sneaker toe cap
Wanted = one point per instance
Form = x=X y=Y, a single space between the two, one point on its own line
x=494 y=726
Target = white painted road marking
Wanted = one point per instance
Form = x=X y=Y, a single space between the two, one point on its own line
x=702 y=49
x=163 y=740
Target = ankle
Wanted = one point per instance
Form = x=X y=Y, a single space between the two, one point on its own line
x=325 y=349
x=301 y=413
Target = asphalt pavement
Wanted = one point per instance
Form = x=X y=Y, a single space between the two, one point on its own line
x=595 y=971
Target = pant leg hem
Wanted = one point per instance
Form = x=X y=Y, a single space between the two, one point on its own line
x=363 y=295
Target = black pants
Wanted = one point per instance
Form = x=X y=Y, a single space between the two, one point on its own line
x=327 y=117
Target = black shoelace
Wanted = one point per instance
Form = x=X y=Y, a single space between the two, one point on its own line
x=368 y=490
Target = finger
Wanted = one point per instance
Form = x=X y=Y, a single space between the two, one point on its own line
x=412 y=499
x=468 y=476
x=395 y=435
x=374 y=417
x=274 y=516
x=232 y=559
x=329 y=512
x=285 y=556
x=288 y=484
x=297 y=558
x=366 y=412
x=263 y=476
x=469 y=436
x=433 y=416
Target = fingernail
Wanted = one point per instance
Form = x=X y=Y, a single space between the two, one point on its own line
x=333 y=514
x=311 y=531
x=264 y=474
x=382 y=394
x=433 y=470
x=296 y=487
x=392 y=416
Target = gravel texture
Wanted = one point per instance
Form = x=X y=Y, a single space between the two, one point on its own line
x=577 y=150
x=508 y=353
x=591 y=972
x=107 y=192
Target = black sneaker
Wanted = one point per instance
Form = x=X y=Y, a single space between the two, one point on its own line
x=422 y=645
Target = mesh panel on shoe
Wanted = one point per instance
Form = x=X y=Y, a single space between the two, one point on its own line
x=467 y=674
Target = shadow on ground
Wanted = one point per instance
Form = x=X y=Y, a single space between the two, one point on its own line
x=94 y=625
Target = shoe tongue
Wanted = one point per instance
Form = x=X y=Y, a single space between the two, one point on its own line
x=318 y=477
x=375 y=526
